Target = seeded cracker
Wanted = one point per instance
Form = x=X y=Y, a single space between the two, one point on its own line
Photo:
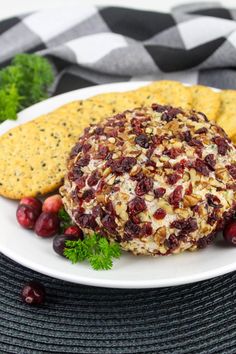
x=169 y=93
x=227 y=114
x=205 y=100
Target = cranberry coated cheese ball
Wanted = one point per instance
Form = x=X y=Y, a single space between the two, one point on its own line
x=157 y=180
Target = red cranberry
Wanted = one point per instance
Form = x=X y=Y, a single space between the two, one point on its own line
x=173 y=178
x=33 y=293
x=26 y=216
x=93 y=179
x=210 y=161
x=109 y=223
x=230 y=233
x=173 y=152
x=159 y=214
x=147 y=228
x=97 y=211
x=232 y=170
x=53 y=204
x=144 y=186
x=189 y=190
x=213 y=200
x=88 y=195
x=201 y=167
x=47 y=224
x=159 y=192
x=201 y=130
x=84 y=161
x=86 y=221
x=176 y=196
x=142 y=140
x=102 y=152
x=222 y=145
x=158 y=108
x=136 y=206
x=35 y=203
x=132 y=230
x=75 y=231
x=59 y=243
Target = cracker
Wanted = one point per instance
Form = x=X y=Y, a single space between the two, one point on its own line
x=119 y=101
x=205 y=100
x=170 y=93
x=33 y=155
x=227 y=112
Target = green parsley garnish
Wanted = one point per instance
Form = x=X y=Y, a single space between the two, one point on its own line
x=65 y=220
x=97 y=250
x=23 y=83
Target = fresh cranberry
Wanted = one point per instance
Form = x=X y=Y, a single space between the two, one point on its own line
x=33 y=293
x=159 y=192
x=176 y=196
x=34 y=203
x=93 y=179
x=74 y=230
x=26 y=216
x=86 y=221
x=232 y=170
x=159 y=214
x=52 y=204
x=142 y=140
x=222 y=145
x=230 y=233
x=136 y=206
x=59 y=243
x=210 y=161
x=47 y=224
x=201 y=167
x=144 y=186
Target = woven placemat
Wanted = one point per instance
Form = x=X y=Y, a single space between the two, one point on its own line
x=197 y=318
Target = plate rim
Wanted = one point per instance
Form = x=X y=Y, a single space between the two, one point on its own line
x=92 y=281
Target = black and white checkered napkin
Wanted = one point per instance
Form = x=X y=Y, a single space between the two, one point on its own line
x=195 y=43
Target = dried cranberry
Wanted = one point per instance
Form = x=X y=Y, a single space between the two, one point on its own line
x=144 y=186
x=88 y=195
x=127 y=163
x=173 y=152
x=75 y=173
x=180 y=166
x=84 y=161
x=201 y=131
x=138 y=177
x=189 y=190
x=172 y=242
x=222 y=145
x=142 y=140
x=210 y=161
x=159 y=192
x=94 y=178
x=187 y=136
x=86 y=148
x=80 y=182
x=135 y=219
x=86 y=221
x=232 y=170
x=201 y=167
x=147 y=229
x=195 y=142
x=159 y=214
x=97 y=211
x=157 y=140
x=110 y=208
x=149 y=152
x=213 y=201
x=194 y=118
x=172 y=113
x=173 y=178
x=205 y=241
x=100 y=185
x=136 y=206
x=159 y=108
x=131 y=229
x=109 y=223
x=99 y=131
x=76 y=149
x=102 y=152
x=176 y=196
x=188 y=225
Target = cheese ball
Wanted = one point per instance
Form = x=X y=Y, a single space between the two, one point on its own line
x=158 y=180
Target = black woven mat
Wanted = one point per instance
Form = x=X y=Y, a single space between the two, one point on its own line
x=198 y=318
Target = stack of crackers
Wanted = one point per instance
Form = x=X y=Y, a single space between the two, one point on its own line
x=33 y=155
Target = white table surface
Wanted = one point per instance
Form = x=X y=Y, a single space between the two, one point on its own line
x=12 y=7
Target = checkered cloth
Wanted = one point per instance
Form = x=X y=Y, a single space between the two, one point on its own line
x=195 y=43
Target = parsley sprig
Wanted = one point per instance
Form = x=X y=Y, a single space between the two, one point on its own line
x=65 y=219
x=97 y=250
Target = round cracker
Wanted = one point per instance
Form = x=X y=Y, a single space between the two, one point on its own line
x=205 y=100
x=227 y=112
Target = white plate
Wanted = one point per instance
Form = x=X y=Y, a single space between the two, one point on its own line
x=128 y=272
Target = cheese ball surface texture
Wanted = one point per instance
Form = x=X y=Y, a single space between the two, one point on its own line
x=158 y=180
